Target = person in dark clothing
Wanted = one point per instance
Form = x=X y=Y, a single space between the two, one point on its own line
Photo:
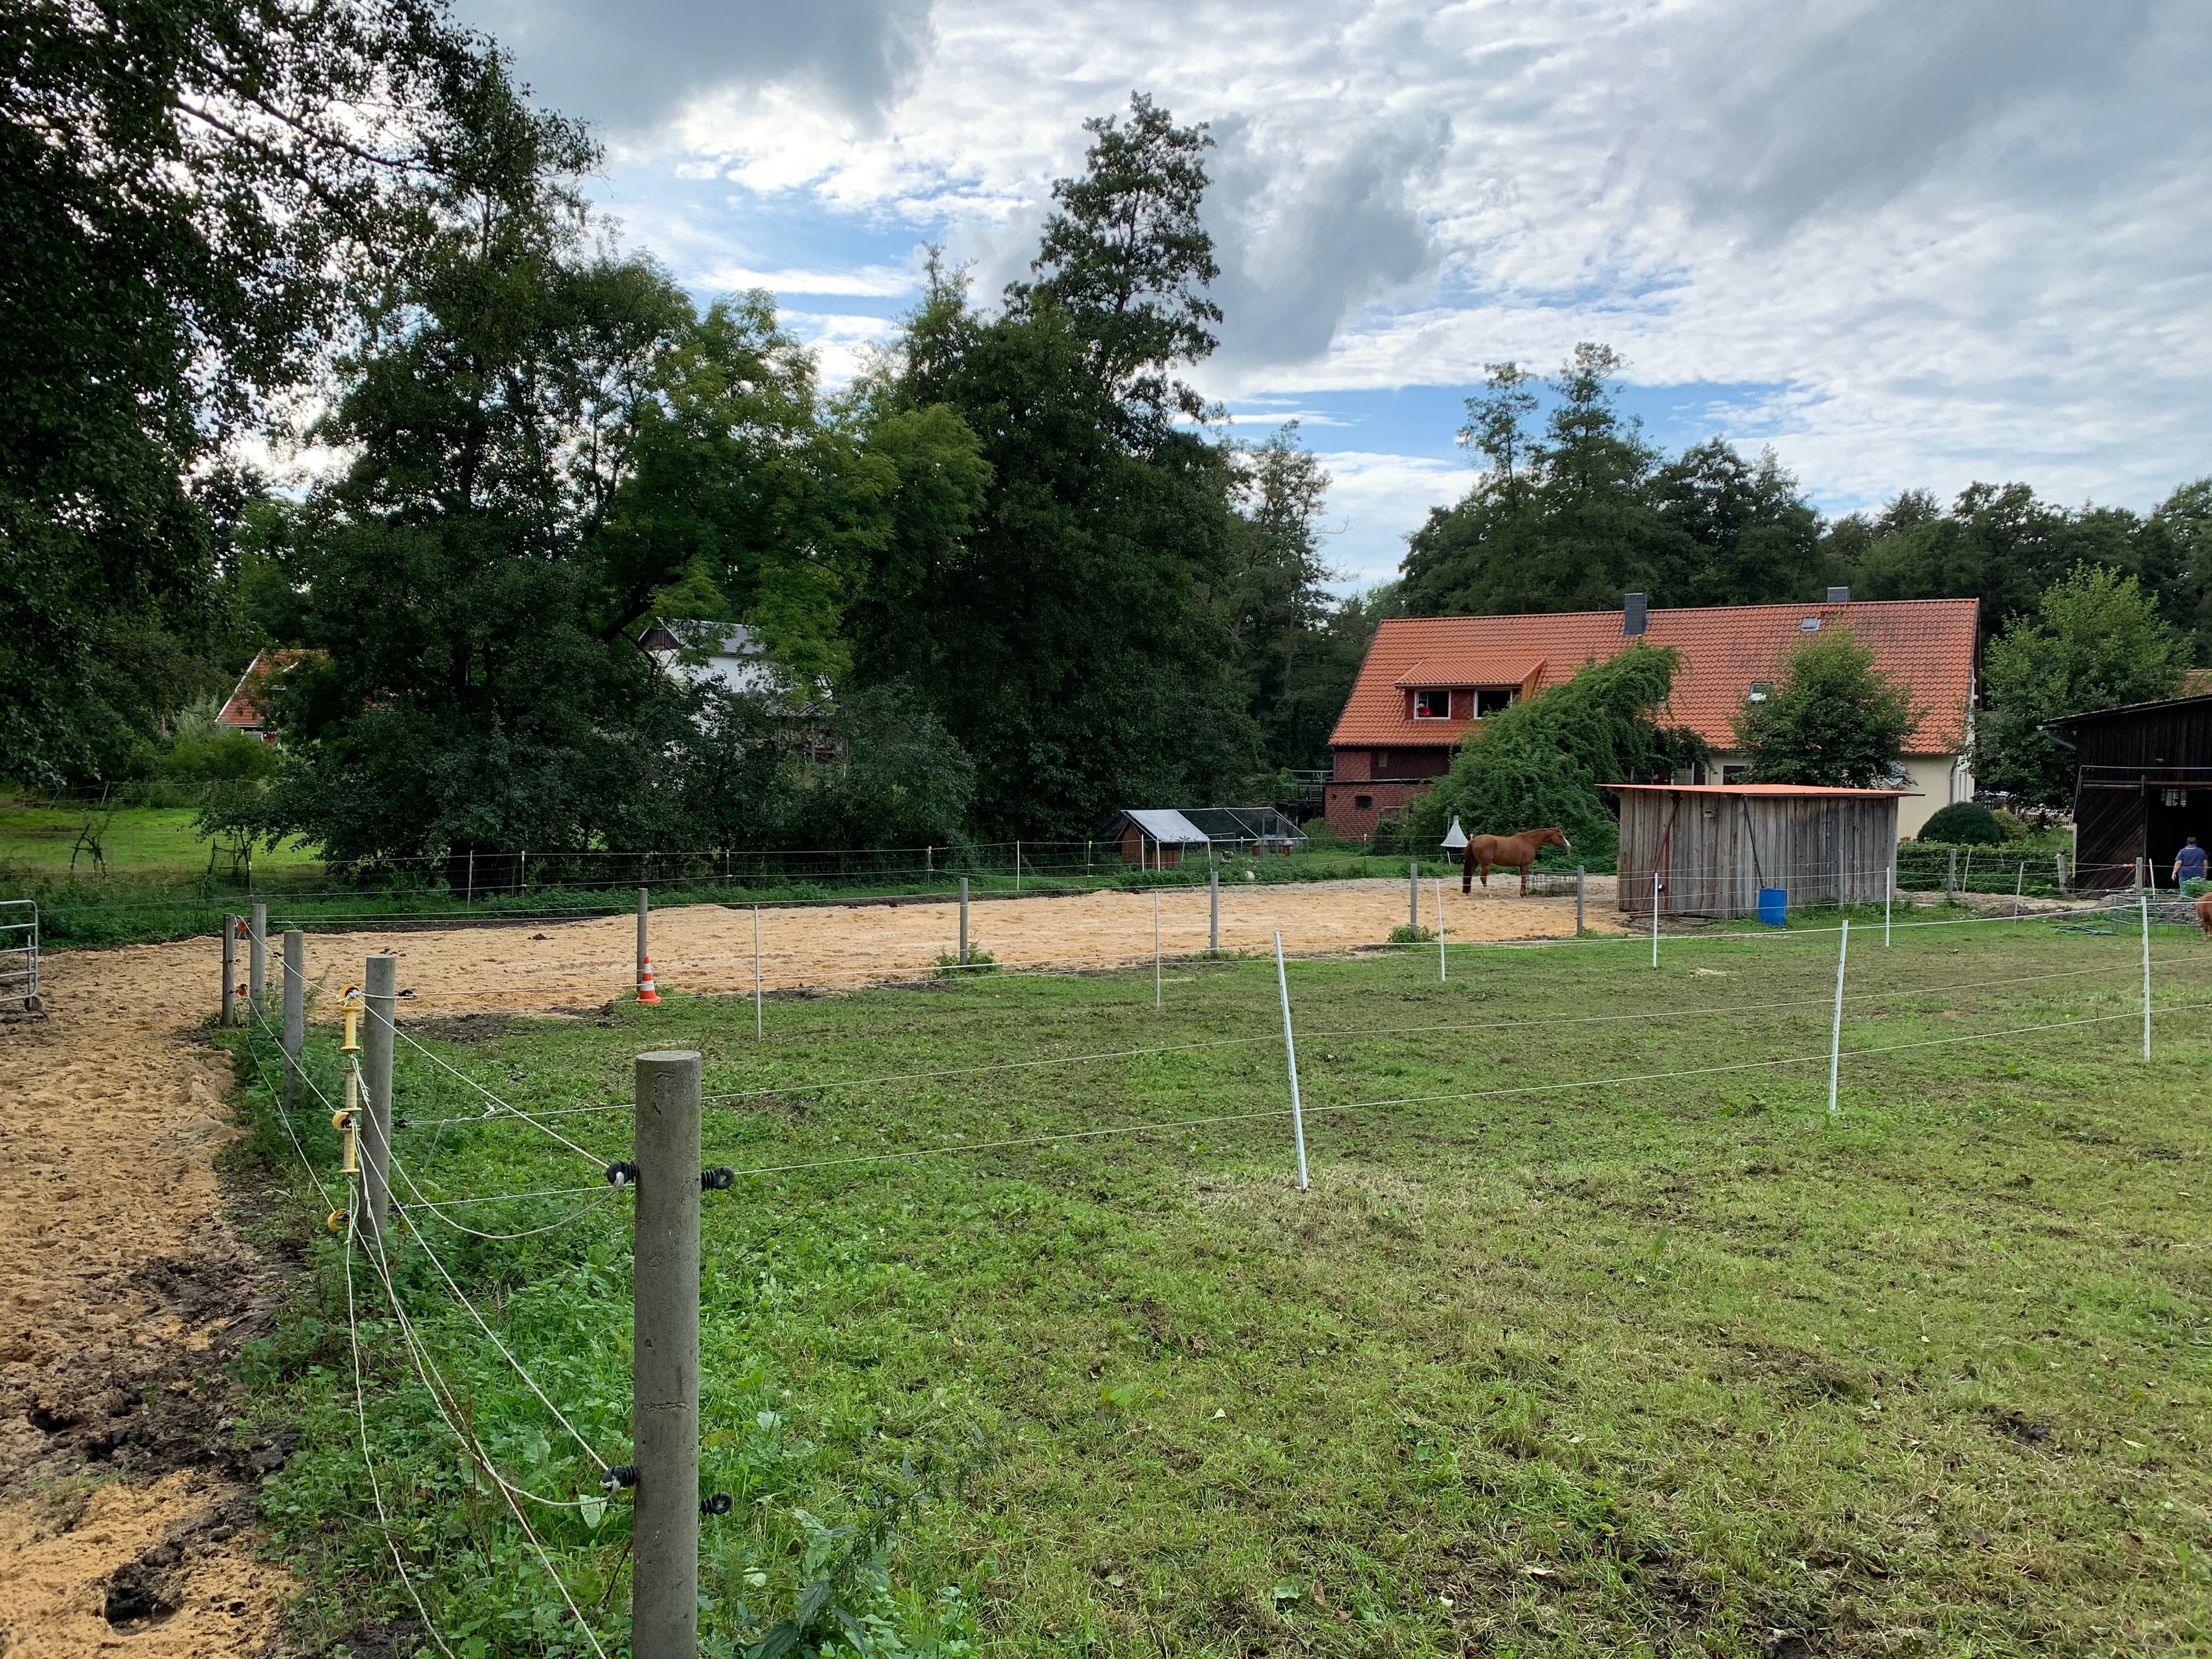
x=2189 y=863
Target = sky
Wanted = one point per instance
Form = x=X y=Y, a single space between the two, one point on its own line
x=1906 y=245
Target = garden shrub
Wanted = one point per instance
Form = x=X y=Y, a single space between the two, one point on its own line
x=1964 y=823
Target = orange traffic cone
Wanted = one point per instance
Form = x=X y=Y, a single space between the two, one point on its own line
x=645 y=991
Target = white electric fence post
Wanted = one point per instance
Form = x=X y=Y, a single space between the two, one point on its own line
x=1291 y=1056
x=470 y=897
x=257 y=958
x=522 y=878
x=664 y=1366
x=1888 y=893
x=1413 y=897
x=963 y=921
x=1213 y=923
x=1440 y=934
x=1017 y=866
x=1654 y=918
x=1156 y=948
x=1581 y=877
x=1836 y=1031
x=229 y=968
x=294 y=1028
x=380 y=986
x=2144 y=899
x=1951 y=878
x=643 y=950
x=2018 y=879
x=756 y=974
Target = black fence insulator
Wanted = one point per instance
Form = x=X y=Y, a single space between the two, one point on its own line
x=622 y=1175
x=720 y=1179
x=717 y=1505
x=623 y=1474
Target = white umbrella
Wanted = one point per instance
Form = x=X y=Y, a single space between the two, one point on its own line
x=1454 y=838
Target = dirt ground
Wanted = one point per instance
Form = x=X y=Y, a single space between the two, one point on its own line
x=710 y=948
x=124 y=1500
x=121 y=1512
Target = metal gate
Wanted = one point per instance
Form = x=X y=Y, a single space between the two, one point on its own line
x=19 y=954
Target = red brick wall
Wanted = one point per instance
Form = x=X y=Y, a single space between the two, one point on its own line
x=1353 y=765
x=1347 y=818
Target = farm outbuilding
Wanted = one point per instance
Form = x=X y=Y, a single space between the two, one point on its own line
x=1157 y=838
x=2142 y=784
x=1714 y=846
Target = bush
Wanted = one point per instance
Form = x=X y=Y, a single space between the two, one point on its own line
x=1962 y=823
x=1402 y=934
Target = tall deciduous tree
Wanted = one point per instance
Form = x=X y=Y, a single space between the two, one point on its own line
x=1075 y=640
x=2096 y=640
x=1833 y=720
x=184 y=185
x=548 y=445
x=1572 y=517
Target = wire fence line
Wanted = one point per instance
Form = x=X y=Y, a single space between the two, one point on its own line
x=1274 y=1040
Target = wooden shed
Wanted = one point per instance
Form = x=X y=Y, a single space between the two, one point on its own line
x=1714 y=846
x=2142 y=784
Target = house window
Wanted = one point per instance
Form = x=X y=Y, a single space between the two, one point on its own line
x=1362 y=803
x=1382 y=762
x=1734 y=774
x=2173 y=796
x=1432 y=705
x=1760 y=691
x=1489 y=699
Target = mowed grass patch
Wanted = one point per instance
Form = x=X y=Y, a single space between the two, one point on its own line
x=1672 y=1363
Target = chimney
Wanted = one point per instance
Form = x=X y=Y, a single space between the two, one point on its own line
x=1840 y=596
x=1634 y=614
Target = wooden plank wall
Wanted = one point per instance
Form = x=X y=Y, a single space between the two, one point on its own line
x=1714 y=852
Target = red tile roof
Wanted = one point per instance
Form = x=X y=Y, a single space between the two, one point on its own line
x=1926 y=644
x=244 y=709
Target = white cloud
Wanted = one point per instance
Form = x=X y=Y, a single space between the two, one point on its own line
x=1375 y=499
x=1949 y=241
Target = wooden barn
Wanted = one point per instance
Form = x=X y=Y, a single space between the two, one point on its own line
x=1714 y=846
x=2142 y=784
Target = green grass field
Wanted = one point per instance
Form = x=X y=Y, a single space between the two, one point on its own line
x=1672 y=1365
x=137 y=840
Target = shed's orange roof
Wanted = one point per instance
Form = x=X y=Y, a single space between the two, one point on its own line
x=1928 y=646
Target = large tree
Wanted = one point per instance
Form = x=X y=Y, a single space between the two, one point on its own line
x=1572 y=516
x=1075 y=639
x=184 y=186
x=2096 y=640
x=550 y=448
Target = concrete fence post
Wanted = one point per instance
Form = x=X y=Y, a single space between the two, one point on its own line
x=294 y=1028
x=1213 y=926
x=644 y=950
x=1951 y=878
x=379 y=987
x=1413 y=895
x=1581 y=878
x=257 y=957
x=664 y=1376
x=226 y=1017
x=963 y=921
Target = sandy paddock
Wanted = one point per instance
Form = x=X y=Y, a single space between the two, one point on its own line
x=710 y=948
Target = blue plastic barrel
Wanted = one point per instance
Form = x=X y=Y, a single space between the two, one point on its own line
x=1774 y=906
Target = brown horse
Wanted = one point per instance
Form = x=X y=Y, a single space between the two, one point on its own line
x=1483 y=851
x=2204 y=913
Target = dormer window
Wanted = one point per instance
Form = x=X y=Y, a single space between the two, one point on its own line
x=1434 y=704
x=1489 y=699
x=1760 y=691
